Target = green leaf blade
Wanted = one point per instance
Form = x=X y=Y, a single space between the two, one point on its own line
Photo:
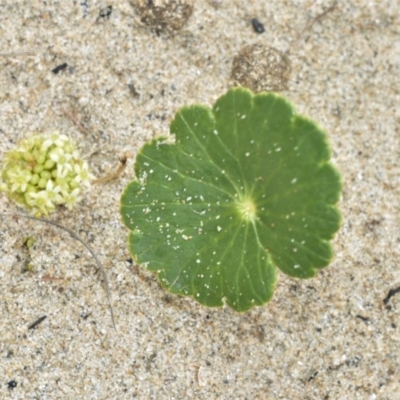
x=247 y=188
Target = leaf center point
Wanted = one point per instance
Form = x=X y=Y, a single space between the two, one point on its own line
x=247 y=209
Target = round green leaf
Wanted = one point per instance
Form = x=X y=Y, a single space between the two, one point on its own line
x=246 y=188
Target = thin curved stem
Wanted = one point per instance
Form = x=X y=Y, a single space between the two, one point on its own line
x=79 y=239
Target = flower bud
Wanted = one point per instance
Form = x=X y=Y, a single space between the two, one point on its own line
x=44 y=171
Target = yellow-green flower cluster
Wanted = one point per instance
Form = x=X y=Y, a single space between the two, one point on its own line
x=45 y=170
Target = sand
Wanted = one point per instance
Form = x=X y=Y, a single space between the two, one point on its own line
x=331 y=337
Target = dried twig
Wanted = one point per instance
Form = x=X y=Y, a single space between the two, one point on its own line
x=117 y=173
x=47 y=278
x=391 y=293
x=95 y=149
x=79 y=239
x=80 y=127
x=37 y=322
x=310 y=24
x=19 y=53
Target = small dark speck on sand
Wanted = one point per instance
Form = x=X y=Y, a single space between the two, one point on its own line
x=59 y=68
x=257 y=26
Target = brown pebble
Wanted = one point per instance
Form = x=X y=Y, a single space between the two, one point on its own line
x=261 y=68
x=164 y=15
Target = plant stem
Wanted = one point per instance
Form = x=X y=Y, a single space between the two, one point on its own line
x=89 y=249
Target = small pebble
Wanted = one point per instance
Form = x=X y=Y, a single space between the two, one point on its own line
x=257 y=26
x=12 y=384
x=59 y=68
x=164 y=15
x=261 y=68
x=105 y=12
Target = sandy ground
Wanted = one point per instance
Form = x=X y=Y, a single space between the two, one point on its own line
x=331 y=337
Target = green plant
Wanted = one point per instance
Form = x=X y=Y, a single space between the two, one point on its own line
x=45 y=170
x=246 y=188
